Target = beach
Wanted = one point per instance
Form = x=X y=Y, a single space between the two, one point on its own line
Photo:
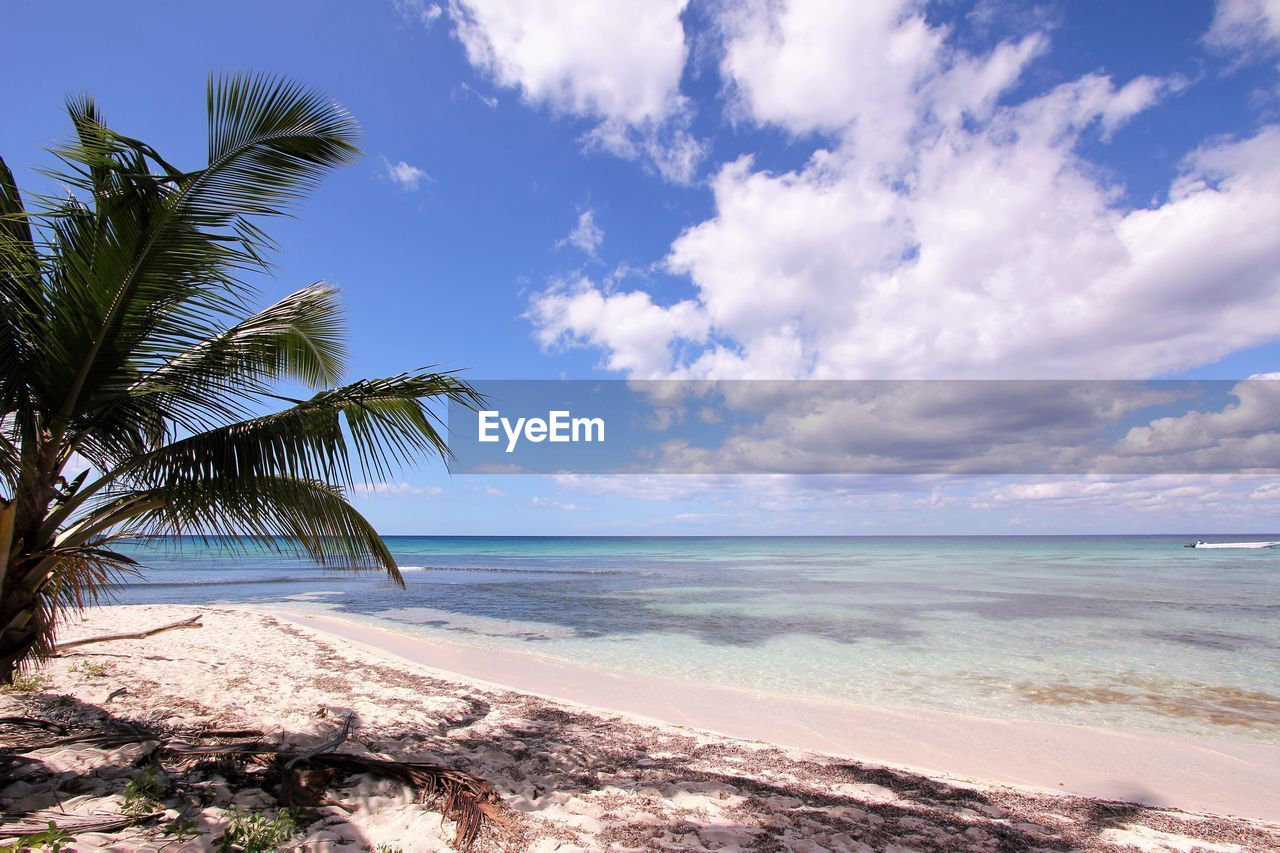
x=575 y=774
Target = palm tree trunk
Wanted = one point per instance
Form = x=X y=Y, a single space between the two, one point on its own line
x=23 y=623
x=22 y=616
x=16 y=615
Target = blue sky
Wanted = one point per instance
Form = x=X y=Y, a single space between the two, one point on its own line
x=646 y=189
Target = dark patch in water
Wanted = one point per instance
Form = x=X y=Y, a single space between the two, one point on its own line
x=593 y=608
x=1219 y=705
x=1213 y=640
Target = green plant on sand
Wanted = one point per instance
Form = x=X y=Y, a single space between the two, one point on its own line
x=91 y=669
x=134 y=371
x=143 y=793
x=254 y=832
x=27 y=682
x=53 y=839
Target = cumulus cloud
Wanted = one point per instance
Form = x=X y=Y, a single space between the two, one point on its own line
x=406 y=175
x=633 y=331
x=580 y=57
x=1248 y=27
x=913 y=427
x=1238 y=437
x=586 y=234
x=618 y=63
x=941 y=230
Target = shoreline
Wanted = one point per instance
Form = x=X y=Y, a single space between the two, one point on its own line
x=1207 y=775
x=568 y=776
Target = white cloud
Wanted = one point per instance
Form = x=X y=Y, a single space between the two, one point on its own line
x=820 y=65
x=942 y=232
x=408 y=176
x=1249 y=27
x=1197 y=495
x=629 y=326
x=668 y=149
x=1239 y=437
x=396 y=489
x=912 y=427
x=911 y=504
x=619 y=60
x=548 y=503
x=618 y=63
x=586 y=235
x=418 y=11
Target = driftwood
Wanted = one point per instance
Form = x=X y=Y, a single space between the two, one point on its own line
x=193 y=622
x=327 y=746
x=34 y=823
x=33 y=723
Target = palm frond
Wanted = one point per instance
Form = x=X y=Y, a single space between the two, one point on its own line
x=388 y=422
x=217 y=379
x=153 y=268
x=282 y=512
x=73 y=578
x=298 y=338
x=270 y=141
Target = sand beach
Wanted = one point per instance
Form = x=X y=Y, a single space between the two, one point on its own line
x=572 y=772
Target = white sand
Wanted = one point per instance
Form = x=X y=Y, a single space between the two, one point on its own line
x=572 y=777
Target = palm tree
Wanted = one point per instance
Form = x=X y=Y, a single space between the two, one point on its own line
x=134 y=375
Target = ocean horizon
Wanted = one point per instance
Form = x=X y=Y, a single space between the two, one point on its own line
x=1122 y=632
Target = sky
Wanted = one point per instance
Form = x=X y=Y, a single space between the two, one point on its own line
x=655 y=189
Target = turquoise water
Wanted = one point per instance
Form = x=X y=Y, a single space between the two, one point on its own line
x=1131 y=632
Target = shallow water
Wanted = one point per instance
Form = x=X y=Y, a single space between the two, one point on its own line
x=1131 y=632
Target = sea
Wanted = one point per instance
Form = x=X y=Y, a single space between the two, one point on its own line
x=1128 y=632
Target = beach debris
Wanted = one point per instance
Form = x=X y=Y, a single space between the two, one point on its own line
x=467 y=800
x=42 y=821
x=305 y=776
x=193 y=622
x=327 y=746
x=34 y=723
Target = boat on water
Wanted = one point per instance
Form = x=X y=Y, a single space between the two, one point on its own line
x=1200 y=543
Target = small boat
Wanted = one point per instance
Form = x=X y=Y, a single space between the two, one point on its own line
x=1200 y=543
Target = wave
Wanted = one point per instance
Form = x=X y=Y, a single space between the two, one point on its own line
x=208 y=581
x=510 y=570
